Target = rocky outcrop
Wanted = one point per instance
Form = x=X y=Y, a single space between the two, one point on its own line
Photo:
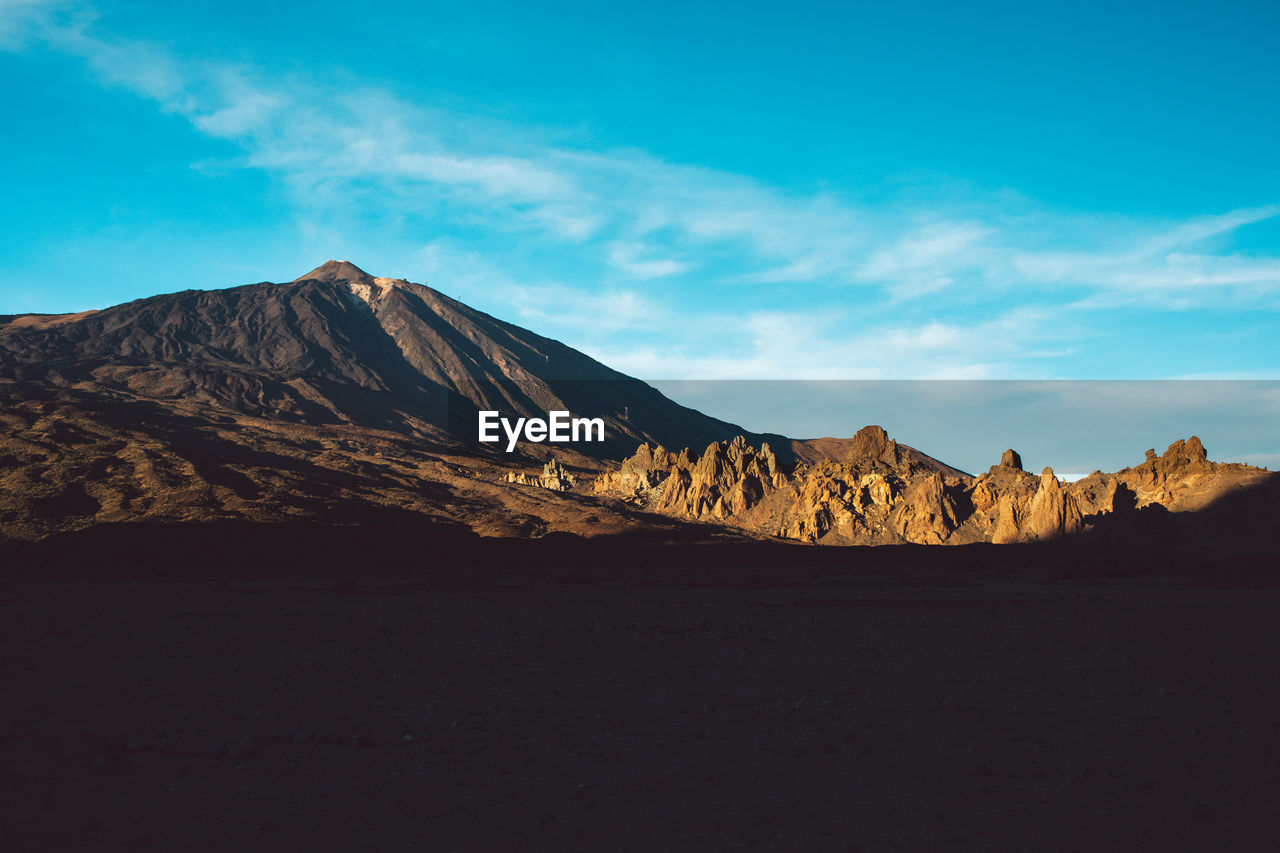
x=879 y=494
x=872 y=445
x=728 y=479
x=1119 y=498
x=1169 y=479
x=927 y=515
x=554 y=476
x=834 y=498
x=640 y=473
x=1009 y=517
x=999 y=501
x=1053 y=513
x=1182 y=479
x=1050 y=513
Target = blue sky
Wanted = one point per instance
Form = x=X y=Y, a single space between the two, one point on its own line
x=683 y=190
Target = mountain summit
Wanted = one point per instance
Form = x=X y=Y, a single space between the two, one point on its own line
x=336 y=271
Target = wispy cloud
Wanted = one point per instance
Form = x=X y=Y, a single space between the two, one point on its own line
x=22 y=20
x=636 y=260
x=543 y=303
x=829 y=344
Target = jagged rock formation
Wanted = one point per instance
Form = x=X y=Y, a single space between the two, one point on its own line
x=1178 y=478
x=728 y=479
x=554 y=476
x=927 y=514
x=1050 y=513
x=882 y=493
x=872 y=445
x=857 y=499
x=834 y=496
x=1182 y=479
x=641 y=472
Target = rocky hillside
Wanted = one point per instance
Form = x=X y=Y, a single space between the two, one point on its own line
x=339 y=346
x=337 y=398
x=883 y=493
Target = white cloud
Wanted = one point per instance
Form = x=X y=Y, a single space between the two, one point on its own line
x=319 y=137
x=936 y=247
x=1262 y=460
x=23 y=20
x=630 y=259
x=835 y=345
x=552 y=307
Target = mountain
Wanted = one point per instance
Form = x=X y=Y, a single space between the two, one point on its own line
x=344 y=400
x=339 y=398
x=338 y=345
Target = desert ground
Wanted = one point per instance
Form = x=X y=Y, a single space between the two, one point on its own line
x=1006 y=711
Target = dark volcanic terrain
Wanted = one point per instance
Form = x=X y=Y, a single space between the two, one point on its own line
x=878 y=713
x=335 y=398
x=339 y=347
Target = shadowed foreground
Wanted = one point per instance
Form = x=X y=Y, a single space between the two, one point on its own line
x=999 y=714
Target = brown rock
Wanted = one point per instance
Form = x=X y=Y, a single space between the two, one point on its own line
x=727 y=480
x=867 y=500
x=768 y=461
x=1119 y=497
x=984 y=496
x=872 y=444
x=554 y=476
x=926 y=515
x=1053 y=513
x=1008 y=521
x=639 y=474
x=1190 y=450
x=675 y=491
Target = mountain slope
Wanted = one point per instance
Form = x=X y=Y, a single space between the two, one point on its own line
x=337 y=345
x=335 y=399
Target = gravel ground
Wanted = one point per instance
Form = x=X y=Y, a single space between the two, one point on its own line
x=875 y=714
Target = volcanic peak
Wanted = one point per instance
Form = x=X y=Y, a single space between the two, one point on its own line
x=337 y=271
x=362 y=285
